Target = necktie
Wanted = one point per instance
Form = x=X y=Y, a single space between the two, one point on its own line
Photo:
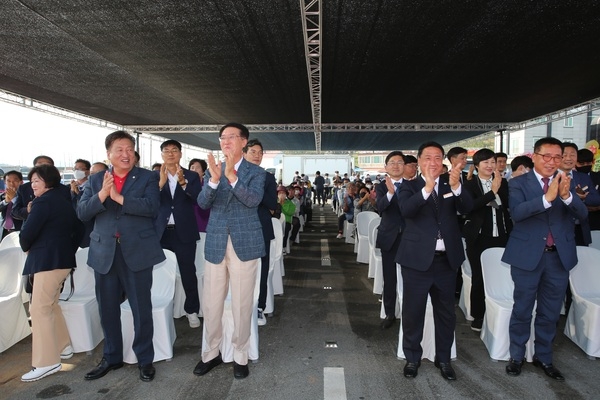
x=397 y=184
x=549 y=238
x=436 y=201
x=8 y=220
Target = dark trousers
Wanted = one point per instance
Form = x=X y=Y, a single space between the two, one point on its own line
x=321 y=196
x=294 y=227
x=547 y=284
x=186 y=258
x=390 y=278
x=474 y=251
x=109 y=292
x=439 y=282
x=264 y=275
x=327 y=192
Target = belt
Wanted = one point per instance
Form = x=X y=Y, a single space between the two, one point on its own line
x=171 y=226
x=439 y=253
x=550 y=248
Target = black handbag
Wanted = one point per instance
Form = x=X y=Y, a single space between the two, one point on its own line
x=29 y=285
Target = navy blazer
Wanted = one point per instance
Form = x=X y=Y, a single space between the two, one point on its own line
x=233 y=214
x=417 y=246
x=182 y=207
x=592 y=200
x=532 y=222
x=392 y=223
x=268 y=203
x=133 y=221
x=51 y=233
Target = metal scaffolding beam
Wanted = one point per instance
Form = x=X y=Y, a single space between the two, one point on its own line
x=311 y=27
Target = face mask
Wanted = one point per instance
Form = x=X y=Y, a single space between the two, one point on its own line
x=369 y=185
x=296 y=193
x=79 y=175
x=586 y=169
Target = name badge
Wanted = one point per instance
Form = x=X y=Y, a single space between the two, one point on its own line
x=449 y=194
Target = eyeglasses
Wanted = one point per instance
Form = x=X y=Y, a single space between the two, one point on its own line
x=395 y=163
x=170 y=151
x=255 y=152
x=227 y=138
x=550 y=157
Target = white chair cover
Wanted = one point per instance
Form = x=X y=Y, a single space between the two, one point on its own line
x=428 y=341
x=583 y=321
x=163 y=290
x=363 y=219
x=179 y=298
x=373 y=251
x=282 y=220
x=14 y=325
x=226 y=347
x=10 y=240
x=349 y=232
x=595 y=240
x=81 y=310
x=464 y=302
x=499 y=287
x=275 y=281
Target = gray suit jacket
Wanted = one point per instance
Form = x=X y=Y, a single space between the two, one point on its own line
x=234 y=214
x=133 y=221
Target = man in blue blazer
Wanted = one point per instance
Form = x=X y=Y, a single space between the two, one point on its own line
x=541 y=251
x=389 y=231
x=234 y=245
x=124 y=247
x=176 y=222
x=253 y=153
x=430 y=253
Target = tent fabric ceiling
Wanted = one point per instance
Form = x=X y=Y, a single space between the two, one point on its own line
x=172 y=62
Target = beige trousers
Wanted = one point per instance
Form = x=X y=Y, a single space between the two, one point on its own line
x=49 y=330
x=217 y=277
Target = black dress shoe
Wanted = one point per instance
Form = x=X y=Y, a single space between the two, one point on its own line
x=514 y=367
x=387 y=322
x=203 y=368
x=411 y=369
x=102 y=369
x=147 y=372
x=446 y=370
x=549 y=370
x=240 y=371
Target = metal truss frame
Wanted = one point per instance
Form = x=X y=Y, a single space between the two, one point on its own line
x=311 y=28
x=581 y=108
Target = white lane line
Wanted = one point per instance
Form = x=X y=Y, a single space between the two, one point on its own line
x=334 y=384
x=325 y=258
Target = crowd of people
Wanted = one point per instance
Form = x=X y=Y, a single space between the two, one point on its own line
x=126 y=215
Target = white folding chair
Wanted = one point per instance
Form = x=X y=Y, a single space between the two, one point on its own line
x=362 y=235
x=349 y=232
x=583 y=321
x=179 y=297
x=14 y=326
x=464 y=302
x=226 y=346
x=373 y=251
x=499 y=287
x=163 y=290
x=595 y=240
x=81 y=310
x=428 y=341
x=275 y=280
x=10 y=240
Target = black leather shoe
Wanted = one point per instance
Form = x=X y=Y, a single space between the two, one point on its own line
x=446 y=370
x=147 y=372
x=411 y=369
x=202 y=368
x=387 y=322
x=549 y=370
x=102 y=369
x=514 y=367
x=240 y=371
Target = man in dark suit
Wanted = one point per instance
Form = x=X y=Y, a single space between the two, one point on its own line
x=320 y=189
x=585 y=161
x=124 y=247
x=81 y=170
x=176 y=222
x=430 y=253
x=12 y=180
x=541 y=251
x=25 y=195
x=389 y=231
x=234 y=244
x=253 y=152
x=488 y=224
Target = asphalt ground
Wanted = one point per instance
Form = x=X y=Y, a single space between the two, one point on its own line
x=322 y=342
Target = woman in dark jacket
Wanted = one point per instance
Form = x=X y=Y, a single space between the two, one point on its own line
x=487 y=225
x=50 y=235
